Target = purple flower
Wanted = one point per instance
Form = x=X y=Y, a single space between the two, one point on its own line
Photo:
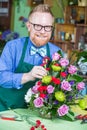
x=56 y=56
x=65 y=85
x=56 y=102
x=80 y=86
x=69 y=98
x=64 y=62
x=50 y=89
x=5 y=33
x=63 y=110
x=16 y=35
x=72 y=69
x=72 y=82
x=38 y=102
x=25 y=20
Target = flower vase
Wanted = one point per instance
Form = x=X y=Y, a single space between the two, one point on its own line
x=46 y=115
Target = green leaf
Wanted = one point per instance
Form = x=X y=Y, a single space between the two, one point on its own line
x=72 y=113
x=68 y=117
x=80 y=54
x=54 y=73
x=76 y=78
x=60 y=52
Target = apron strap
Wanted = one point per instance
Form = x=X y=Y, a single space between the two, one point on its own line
x=24 y=50
x=23 y=54
x=48 y=50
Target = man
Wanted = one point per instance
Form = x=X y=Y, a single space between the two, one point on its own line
x=21 y=58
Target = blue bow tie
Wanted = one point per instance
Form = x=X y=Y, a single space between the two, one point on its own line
x=41 y=51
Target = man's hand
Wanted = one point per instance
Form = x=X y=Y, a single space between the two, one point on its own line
x=36 y=72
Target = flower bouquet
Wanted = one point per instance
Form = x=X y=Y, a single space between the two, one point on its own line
x=53 y=95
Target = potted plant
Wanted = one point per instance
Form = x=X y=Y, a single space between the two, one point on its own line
x=80 y=59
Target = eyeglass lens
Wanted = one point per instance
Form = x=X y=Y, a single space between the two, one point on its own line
x=38 y=27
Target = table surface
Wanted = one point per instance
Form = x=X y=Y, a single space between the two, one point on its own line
x=28 y=115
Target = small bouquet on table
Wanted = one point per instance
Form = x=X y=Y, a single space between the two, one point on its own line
x=53 y=95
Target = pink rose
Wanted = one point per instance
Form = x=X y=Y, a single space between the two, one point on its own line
x=38 y=102
x=56 y=56
x=63 y=110
x=65 y=85
x=35 y=89
x=50 y=89
x=72 y=69
x=64 y=62
x=80 y=86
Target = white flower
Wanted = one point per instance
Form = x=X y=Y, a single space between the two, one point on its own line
x=28 y=95
x=37 y=95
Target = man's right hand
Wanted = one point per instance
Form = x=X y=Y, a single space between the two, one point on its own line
x=36 y=72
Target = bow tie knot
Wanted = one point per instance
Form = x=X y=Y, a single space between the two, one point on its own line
x=41 y=51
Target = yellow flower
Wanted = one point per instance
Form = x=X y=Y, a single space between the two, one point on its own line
x=60 y=96
x=56 y=68
x=83 y=103
x=46 y=79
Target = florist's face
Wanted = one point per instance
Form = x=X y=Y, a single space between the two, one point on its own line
x=40 y=28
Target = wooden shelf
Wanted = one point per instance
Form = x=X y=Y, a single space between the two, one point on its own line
x=65 y=42
x=81 y=25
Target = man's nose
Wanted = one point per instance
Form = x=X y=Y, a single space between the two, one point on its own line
x=42 y=30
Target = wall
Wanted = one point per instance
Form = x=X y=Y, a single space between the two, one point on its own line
x=56 y=9
x=24 y=11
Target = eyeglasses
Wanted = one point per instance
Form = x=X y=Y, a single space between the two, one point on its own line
x=38 y=27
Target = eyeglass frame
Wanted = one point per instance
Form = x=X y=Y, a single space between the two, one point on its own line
x=41 y=27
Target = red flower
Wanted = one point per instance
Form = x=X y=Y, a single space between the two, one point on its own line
x=56 y=80
x=32 y=128
x=42 y=126
x=39 y=83
x=42 y=95
x=56 y=64
x=42 y=88
x=38 y=122
x=43 y=64
x=47 y=69
x=46 y=59
x=63 y=74
x=44 y=129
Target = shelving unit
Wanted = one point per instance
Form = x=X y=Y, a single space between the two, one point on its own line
x=5 y=19
x=74 y=26
x=76 y=14
x=65 y=36
x=5 y=14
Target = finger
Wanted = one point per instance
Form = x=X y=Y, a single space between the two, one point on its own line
x=42 y=70
x=39 y=76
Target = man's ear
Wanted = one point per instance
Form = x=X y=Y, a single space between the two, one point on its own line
x=28 y=25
